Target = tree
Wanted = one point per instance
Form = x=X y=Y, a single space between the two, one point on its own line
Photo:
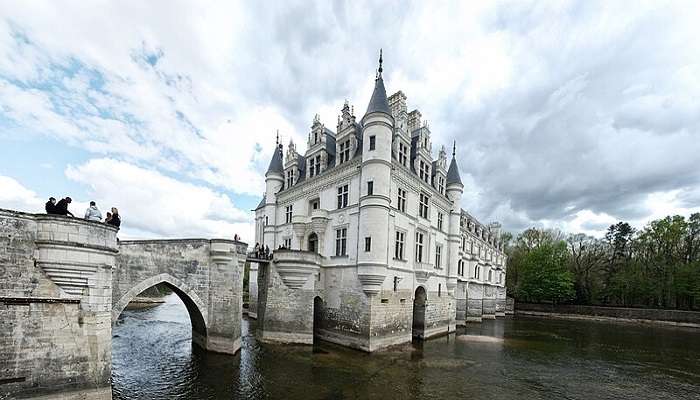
x=544 y=274
x=587 y=258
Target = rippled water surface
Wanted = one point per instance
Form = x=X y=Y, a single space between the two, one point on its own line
x=524 y=358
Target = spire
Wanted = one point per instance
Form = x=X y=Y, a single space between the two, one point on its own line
x=276 y=165
x=379 y=102
x=453 y=172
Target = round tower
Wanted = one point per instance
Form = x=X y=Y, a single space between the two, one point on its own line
x=375 y=186
x=454 y=190
x=274 y=180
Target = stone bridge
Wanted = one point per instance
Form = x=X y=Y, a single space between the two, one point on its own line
x=65 y=281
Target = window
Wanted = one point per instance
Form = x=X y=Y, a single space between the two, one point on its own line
x=403 y=154
x=266 y=220
x=372 y=142
x=370 y=188
x=439 y=289
x=290 y=178
x=317 y=160
x=490 y=275
x=500 y=276
x=288 y=214
x=438 y=256
x=287 y=244
x=314 y=166
x=441 y=185
x=401 y=203
x=440 y=218
x=315 y=203
x=460 y=267
x=398 y=248
x=419 y=247
x=315 y=137
x=423 y=206
x=477 y=272
x=368 y=243
x=343 y=196
x=341 y=241
x=345 y=151
x=424 y=170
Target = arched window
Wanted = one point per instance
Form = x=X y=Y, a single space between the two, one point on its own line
x=313 y=243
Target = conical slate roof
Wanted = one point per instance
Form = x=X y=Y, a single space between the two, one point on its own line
x=378 y=102
x=276 y=164
x=453 y=173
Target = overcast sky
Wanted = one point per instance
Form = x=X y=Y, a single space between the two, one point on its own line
x=567 y=114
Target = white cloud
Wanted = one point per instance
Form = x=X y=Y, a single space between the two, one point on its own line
x=567 y=114
x=154 y=205
x=14 y=196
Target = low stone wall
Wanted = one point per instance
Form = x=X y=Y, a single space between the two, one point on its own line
x=634 y=314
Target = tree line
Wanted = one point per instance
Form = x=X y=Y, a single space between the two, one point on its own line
x=657 y=266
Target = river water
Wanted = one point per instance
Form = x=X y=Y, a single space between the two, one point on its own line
x=523 y=358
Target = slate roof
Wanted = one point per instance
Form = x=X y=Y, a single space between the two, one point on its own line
x=453 y=173
x=276 y=164
x=378 y=102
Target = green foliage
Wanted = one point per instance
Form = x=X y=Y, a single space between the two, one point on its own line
x=657 y=266
x=544 y=275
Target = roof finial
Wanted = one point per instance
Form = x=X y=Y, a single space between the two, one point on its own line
x=278 y=138
x=380 y=64
x=454 y=148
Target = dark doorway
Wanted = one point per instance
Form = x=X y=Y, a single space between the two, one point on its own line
x=419 y=300
x=318 y=317
x=313 y=243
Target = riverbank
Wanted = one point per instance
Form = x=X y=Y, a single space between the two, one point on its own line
x=690 y=319
x=139 y=303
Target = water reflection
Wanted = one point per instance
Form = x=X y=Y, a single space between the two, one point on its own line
x=153 y=358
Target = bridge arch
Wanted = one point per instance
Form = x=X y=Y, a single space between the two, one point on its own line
x=195 y=306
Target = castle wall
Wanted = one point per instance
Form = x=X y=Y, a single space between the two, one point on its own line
x=52 y=341
x=475 y=295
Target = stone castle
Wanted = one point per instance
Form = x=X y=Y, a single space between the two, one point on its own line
x=375 y=248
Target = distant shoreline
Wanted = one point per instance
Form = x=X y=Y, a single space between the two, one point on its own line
x=139 y=303
x=676 y=318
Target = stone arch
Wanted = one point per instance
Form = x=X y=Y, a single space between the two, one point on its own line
x=420 y=298
x=318 y=317
x=312 y=242
x=194 y=304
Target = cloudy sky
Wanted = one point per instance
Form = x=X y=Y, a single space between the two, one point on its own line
x=567 y=114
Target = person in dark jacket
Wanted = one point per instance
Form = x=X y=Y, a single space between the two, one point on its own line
x=62 y=207
x=115 y=220
x=51 y=206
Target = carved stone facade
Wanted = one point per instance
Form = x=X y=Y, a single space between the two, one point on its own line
x=377 y=235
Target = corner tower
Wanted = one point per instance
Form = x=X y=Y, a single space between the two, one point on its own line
x=375 y=185
x=274 y=181
x=454 y=191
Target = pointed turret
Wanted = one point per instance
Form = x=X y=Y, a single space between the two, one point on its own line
x=276 y=164
x=453 y=172
x=379 y=101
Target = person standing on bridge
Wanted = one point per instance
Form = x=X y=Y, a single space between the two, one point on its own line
x=93 y=213
x=115 y=220
x=62 y=207
x=51 y=206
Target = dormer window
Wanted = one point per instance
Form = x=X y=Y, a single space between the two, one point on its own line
x=441 y=185
x=403 y=154
x=315 y=137
x=344 y=151
x=424 y=171
x=314 y=166
x=290 y=178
